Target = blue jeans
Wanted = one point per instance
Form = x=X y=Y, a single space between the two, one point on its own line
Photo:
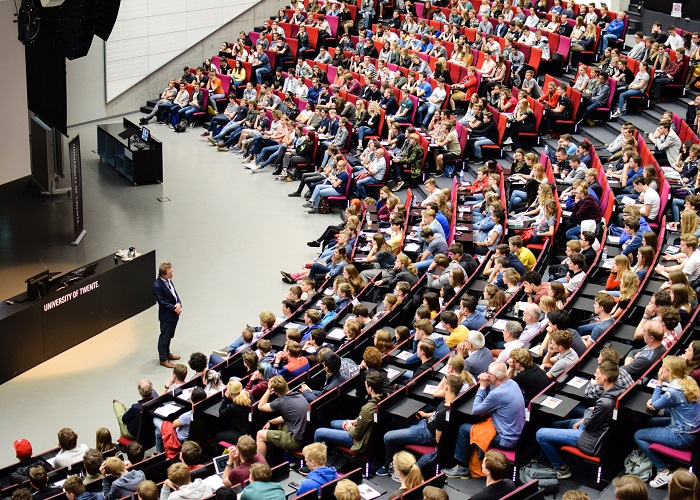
x=658 y=432
x=560 y=434
x=516 y=197
x=162 y=111
x=573 y=233
x=259 y=73
x=213 y=98
x=621 y=103
x=395 y=441
x=333 y=434
x=323 y=191
x=265 y=153
x=676 y=206
x=605 y=41
x=187 y=113
x=363 y=131
x=174 y=110
x=158 y=422
x=229 y=127
x=478 y=144
x=463 y=448
x=218 y=121
x=425 y=113
x=362 y=192
x=423 y=265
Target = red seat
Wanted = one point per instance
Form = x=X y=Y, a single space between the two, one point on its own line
x=420 y=449
x=575 y=451
x=680 y=455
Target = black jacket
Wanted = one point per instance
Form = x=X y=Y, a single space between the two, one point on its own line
x=596 y=422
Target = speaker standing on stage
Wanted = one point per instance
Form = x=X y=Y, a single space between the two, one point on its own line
x=169 y=310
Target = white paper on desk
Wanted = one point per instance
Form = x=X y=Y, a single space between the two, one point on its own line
x=318 y=303
x=536 y=349
x=295 y=325
x=166 y=409
x=652 y=383
x=551 y=402
x=417 y=229
x=336 y=334
x=328 y=291
x=672 y=226
x=613 y=240
x=607 y=263
x=404 y=355
x=670 y=173
x=522 y=306
x=626 y=200
x=672 y=250
x=391 y=373
x=360 y=259
x=444 y=369
x=430 y=389
x=566 y=213
x=186 y=394
x=577 y=382
x=369 y=234
x=214 y=482
x=367 y=492
x=464 y=208
x=59 y=483
x=500 y=325
x=411 y=247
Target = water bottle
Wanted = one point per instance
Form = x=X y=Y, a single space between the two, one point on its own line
x=461 y=176
x=546 y=149
x=605 y=252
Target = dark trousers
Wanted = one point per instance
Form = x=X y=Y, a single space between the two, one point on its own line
x=167 y=332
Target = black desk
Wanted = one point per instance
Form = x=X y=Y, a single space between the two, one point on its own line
x=34 y=331
x=562 y=409
x=142 y=164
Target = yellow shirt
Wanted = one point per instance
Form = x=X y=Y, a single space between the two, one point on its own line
x=527 y=258
x=458 y=335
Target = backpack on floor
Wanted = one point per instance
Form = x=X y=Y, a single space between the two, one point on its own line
x=324 y=206
x=181 y=126
x=638 y=464
x=546 y=476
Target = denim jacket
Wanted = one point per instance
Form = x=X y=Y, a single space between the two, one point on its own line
x=684 y=415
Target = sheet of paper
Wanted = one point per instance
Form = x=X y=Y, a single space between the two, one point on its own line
x=551 y=402
x=536 y=349
x=444 y=369
x=391 y=373
x=404 y=355
x=186 y=394
x=672 y=250
x=411 y=247
x=613 y=240
x=328 y=291
x=430 y=389
x=626 y=200
x=336 y=334
x=367 y=492
x=607 y=263
x=577 y=382
x=500 y=325
x=566 y=213
x=214 y=482
x=653 y=383
x=166 y=409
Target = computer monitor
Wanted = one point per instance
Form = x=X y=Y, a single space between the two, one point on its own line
x=145 y=134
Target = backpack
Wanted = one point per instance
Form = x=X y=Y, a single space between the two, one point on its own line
x=546 y=476
x=638 y=464
x=181 y=126
x=449 y=171
x=324 y=206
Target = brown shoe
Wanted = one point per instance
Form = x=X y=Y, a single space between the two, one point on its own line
x=172 y=357
x=167 y=364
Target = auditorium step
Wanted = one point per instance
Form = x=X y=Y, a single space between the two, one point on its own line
x=146 y=109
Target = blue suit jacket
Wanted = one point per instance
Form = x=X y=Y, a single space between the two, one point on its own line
x=166 y=301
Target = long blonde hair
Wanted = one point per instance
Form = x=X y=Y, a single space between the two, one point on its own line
x=622 y=263
x=677 y=367
x=689 y=222
x=407 y=264
x=629 y=283
x=457 y=363
x=546 y=193
x=405 y=465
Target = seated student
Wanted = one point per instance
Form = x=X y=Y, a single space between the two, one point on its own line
x=355 y=433
x=292 y=408
x=577 y=263
x=331 y=365
x=559 y=356
x=39 y=484
x=240 y=459
x=477 y=357
x=23 y=452
x=458 y=333
x=530 y=377
x=290 y=363
x=179 y=485
x=583 y=433
x=75 y=490
x=92 y=460
x=602 y=307
x=117 y=482
x=315 y=455
x=624 y=380
x=638 y=361
x=235 y=410
x=424 y=330
x=468 y=315
x=427 y=431
x=261 y=485
x=171 y=435
x=497 y=468
x=134 y=453
x=191 y=455
x=407 y=472
x=70 y=451
x=502 y=399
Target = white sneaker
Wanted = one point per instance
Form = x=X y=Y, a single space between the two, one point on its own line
x=661 y=479
x=250 y=165
x=508 y=141
x=255 y=168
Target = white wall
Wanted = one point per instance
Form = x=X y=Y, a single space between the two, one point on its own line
x=150 y=33
x=14 y=130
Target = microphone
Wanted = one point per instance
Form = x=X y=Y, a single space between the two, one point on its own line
x=42 y=263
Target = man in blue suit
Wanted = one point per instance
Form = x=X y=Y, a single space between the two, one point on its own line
x=169 y=310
